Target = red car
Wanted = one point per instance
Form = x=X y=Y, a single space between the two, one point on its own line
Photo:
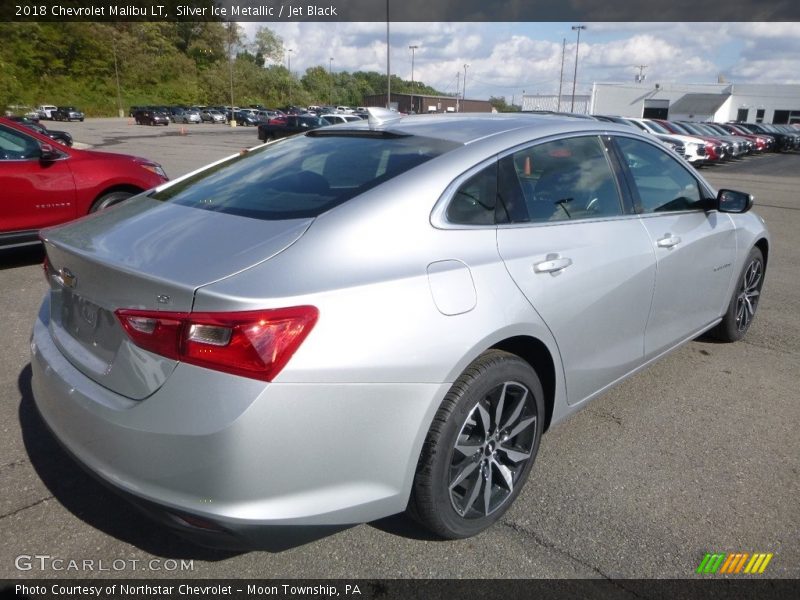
x=44 y=183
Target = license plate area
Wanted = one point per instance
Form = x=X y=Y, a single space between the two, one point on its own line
x=91 y=325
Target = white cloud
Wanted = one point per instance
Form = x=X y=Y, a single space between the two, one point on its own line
x=505 y=58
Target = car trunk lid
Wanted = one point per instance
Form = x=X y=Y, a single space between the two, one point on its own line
x=145 y=255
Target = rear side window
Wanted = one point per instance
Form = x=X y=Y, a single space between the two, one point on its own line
x=302 y=176
x=475 y=200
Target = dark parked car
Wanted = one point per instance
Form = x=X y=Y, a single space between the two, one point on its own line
x=292 y=124
x=245 y=117
x=67 y=113
x=47 y=184
x=150 y=117
x=61 y=137
x=783 y=141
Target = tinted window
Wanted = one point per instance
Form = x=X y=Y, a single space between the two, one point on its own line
x=475 y=199
x=662 y=182
x=15 y=145
x=560 y=180
x=302 y=176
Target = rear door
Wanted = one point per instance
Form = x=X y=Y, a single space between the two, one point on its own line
x=33 y=193
x=583 y=261
x=694 y=248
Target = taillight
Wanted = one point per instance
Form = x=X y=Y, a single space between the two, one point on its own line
x=255 y=344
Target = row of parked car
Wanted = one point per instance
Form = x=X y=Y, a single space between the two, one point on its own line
x=57 y=113
x=254 y=115
x=709 y=143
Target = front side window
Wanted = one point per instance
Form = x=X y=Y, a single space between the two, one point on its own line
x=561 y=180
x=662 y=183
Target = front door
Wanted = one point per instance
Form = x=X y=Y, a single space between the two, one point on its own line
x=693 y=246
x=586 y=267
x=33 y=193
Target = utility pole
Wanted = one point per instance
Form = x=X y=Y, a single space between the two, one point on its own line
x=330 y=76
x=231 y=32
x=464 y=95
x=561 y=77
x=388 y=62
x=413 y=50
x=458 y=86
x=577 y=28
x=641 y=76
x=116 y=72
x=290 y=50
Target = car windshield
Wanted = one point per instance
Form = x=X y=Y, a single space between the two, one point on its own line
x=303 y=176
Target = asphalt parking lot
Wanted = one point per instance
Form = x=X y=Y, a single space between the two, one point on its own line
x=700 y=453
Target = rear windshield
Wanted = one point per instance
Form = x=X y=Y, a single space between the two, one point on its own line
x=302 y=176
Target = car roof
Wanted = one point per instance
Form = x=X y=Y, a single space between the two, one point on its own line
x=465 y=128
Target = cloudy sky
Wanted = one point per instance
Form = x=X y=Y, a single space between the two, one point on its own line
x=506 y=58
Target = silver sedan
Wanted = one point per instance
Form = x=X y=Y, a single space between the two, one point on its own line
x=293 y=337
x=190 y=116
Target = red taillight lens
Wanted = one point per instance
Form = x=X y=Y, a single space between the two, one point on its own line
x=255 y=344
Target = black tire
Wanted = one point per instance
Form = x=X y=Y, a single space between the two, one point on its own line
x=744 y=301
x=109 y=199
x=474 y=464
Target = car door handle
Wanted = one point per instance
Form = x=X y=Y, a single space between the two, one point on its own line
x=668 y=241
x=552 y=264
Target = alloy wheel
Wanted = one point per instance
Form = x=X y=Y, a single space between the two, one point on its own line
x=492 y=449
x=749 y=293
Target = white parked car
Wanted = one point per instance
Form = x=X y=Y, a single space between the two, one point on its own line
x=46 y=111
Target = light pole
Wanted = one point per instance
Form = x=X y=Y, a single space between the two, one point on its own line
x=388 y=62
x=116 y=73
x=413 y=50
x=464 y=93
x=561 y=76
x=330 y=76
x=231 y=33
x=289 y=56
x=577 y=28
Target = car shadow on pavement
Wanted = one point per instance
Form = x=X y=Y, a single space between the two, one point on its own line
x=101 y=508
x=404 y=526
x=89 y=500
x=11 y=258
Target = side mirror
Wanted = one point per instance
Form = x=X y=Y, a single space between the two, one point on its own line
x=731 y=201
x=48 y=153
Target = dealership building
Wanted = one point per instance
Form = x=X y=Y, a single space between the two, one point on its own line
x=720 y=102
x=425 y=103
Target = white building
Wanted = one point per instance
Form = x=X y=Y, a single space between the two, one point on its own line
x=720 y=102
x=536 y=102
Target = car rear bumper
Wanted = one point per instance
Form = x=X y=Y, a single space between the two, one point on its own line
x=240 y=457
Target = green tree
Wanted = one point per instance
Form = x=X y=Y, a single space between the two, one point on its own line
x=267 y=45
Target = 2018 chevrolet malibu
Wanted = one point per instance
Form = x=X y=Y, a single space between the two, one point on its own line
x=378 y=316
